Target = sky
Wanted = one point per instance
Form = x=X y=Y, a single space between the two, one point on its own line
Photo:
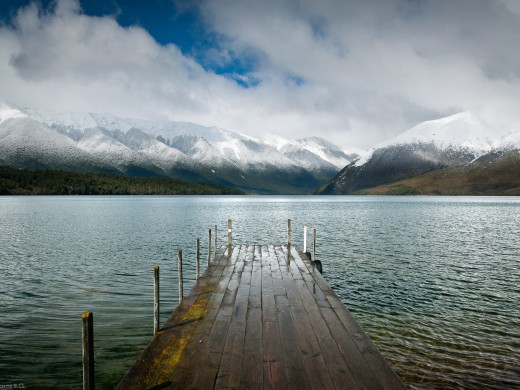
x=354 y=72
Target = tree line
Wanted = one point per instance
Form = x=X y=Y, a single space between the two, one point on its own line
x=14 y=181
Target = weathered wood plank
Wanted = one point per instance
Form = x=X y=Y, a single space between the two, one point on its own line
x=268 y=302
x=335 y=361
x=251 y=375
x=382 y=370
x=211 y=349
x=297 y=376
x=230 y=367
x=313 y=360
x=274 y=366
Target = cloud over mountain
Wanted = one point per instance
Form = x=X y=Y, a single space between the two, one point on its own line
x=356 y=72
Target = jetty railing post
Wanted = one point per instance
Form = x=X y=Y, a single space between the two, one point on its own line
x=209 y=247
x=197 y=258
x=288 y=240
x=314 y=244
x=156 y=300
x=215 y=249
x=229 y=236
x=181 y=284
x=304 y=238
x=88 y=351
x=288 y=232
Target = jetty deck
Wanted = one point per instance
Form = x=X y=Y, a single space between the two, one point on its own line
x=260 y=317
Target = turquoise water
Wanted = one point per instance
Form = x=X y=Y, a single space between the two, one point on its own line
x=433 y=280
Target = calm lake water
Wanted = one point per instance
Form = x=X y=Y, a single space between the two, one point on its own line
x=434 y=281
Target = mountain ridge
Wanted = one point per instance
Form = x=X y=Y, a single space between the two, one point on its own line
x=109 y=144
x=448 y=143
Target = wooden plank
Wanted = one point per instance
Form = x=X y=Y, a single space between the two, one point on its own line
x=313 y=359
x=371 y=354
x=355 y=360
x=268 y=302
x=251 y=375
x=211 y=349
x=297 y=376
x=318 y=372
x=380 y=367
x=230 y=367
x=338 y=367
x=255 y=292
x=273 y=361
x=276 y=276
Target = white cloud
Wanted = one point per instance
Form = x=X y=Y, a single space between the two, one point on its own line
x=66 y=60
x=381 y=66
x=354 y=72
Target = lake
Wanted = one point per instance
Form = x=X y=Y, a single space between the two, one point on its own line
x=434 y=281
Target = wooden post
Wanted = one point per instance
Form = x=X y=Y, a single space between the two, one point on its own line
x=181 y=285
x=229 y=236
x=314 y=244
x=304 y=238
x=156 y=300
x=209 y=247
x=215 y=249
x=288 y=232
x=288 y=241
x=88 y=351
x=197 y=258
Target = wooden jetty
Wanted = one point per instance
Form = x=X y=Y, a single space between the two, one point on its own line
x=261 y=316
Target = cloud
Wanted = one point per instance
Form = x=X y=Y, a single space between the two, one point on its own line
x=64 y=60
x=380 y=66
x=354 y=72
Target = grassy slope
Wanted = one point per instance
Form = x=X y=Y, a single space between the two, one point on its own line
x=15 y=181
x=500 y=177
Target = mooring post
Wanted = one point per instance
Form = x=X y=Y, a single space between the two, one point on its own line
x=229 y=236
x=209 y=247
x=215 y=246
x=156 y=300
x=313 y=244
x=197 y=258
x=288 y=240
x=304 y=238
x=181 y=285
x=88 y=351
x=288 y=232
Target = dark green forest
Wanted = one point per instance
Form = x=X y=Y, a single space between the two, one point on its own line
x=14 y=181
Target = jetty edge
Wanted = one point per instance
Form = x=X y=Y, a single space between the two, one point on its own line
x=261 y=316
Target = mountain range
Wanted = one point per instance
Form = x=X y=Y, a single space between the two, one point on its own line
x=456 y=155
x=104 y=143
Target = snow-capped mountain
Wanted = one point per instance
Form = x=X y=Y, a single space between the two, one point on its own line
x=455 y=141
x=32 y=138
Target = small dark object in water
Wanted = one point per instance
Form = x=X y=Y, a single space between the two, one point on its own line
x=316 y=263
x=318 y=266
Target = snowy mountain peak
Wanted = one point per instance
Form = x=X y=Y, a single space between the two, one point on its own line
x=107 y=143
x=463 y=130
x=8 y=112
x=460 y=132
